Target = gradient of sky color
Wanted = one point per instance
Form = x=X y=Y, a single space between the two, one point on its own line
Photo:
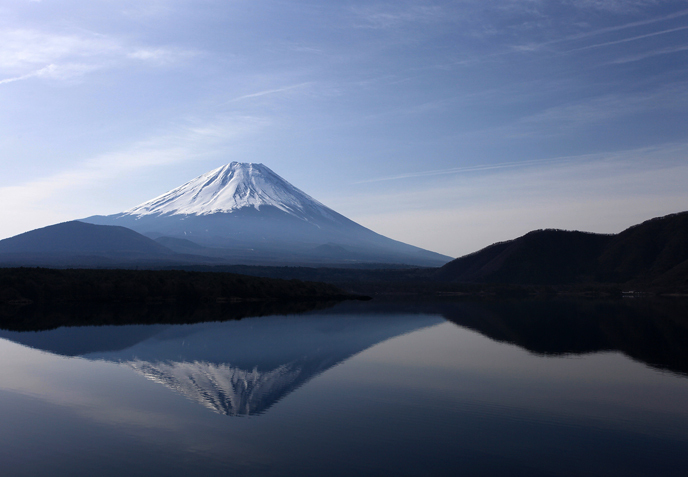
x=446 y=124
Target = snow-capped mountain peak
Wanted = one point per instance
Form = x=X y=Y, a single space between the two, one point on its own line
x=228 y=188
x=245 y=213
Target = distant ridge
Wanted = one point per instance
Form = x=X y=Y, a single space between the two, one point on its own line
x=653 y=252
x=80 y=237
x=79 y=242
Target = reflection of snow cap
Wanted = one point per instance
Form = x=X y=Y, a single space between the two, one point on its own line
x=222 y=388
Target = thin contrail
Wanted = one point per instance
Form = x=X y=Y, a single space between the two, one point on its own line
x=267 y=92
x=602 y=31
x=663 y=32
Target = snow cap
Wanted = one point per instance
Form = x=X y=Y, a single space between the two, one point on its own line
x=229 y=188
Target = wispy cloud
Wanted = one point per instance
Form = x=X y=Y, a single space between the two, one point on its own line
x=27 y=48
x=30 y=53
x=463 y=213
x=649 y=54
x=394 y=15
x=160 y=55
x=616 y=6
x=577 y=115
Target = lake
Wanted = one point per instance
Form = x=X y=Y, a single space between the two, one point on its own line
x=377 y=388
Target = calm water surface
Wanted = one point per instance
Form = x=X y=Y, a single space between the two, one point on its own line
x=360 y=389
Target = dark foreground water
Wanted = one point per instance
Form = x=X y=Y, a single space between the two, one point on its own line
x=525 y=388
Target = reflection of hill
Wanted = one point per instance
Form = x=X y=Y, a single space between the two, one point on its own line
x=654 y=331
x=235 y=367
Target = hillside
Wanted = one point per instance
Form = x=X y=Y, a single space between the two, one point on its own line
x=78 y=244
x=81 y=238
x=654 y=252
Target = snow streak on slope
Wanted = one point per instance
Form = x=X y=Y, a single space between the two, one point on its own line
x=229 y=188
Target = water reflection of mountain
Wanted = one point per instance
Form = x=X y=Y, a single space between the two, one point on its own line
x=236 y=367
x=244 y=367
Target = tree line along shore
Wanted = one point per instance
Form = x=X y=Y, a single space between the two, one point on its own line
x=22 y=286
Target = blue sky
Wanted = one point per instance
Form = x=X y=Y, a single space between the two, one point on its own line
x=446 y=124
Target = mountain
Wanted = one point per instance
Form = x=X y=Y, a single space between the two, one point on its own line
x=79 y=243
x=652 y=253
x=245 y=213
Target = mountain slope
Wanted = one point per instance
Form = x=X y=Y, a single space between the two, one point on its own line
x=647 y=251
x=654 y=252
x=541 y=256
x=248 y=214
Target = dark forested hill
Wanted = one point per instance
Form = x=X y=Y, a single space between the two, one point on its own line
x=542 y=256
x=654 y=252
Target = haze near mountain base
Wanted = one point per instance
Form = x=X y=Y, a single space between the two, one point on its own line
x=247 y=214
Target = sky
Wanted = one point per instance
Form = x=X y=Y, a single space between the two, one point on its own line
x=449 y=125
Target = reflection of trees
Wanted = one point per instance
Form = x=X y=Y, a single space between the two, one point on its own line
x=44 y=317
x=652 y=331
